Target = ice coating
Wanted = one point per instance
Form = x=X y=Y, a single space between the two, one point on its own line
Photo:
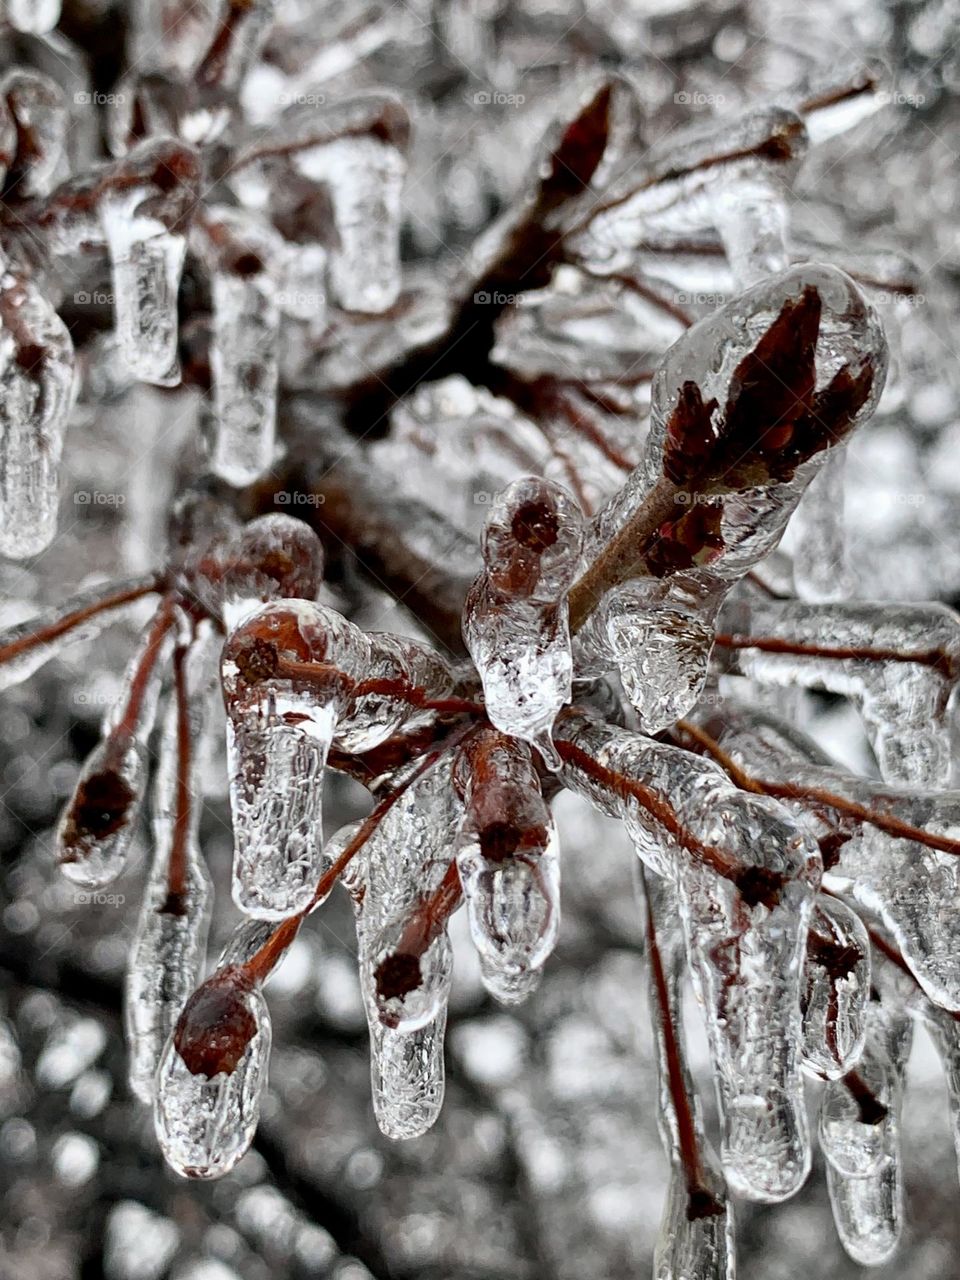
x=279 y=731
x=404 y=862
x=273 y=555
x=243 y=256
x=944 y=1030
x=696 y=1228
x=98 y=822
x=898 y=664
x=39 y=112
x=515 y=619
x=37 y=391
x=911 y=887
x=509 y=865
x=212 y=1075
x=680 y=182
x=836 y=990
x=26 y=646
x=169 y=945
x=860 y=1139
x=802 y=352
x=745 y=931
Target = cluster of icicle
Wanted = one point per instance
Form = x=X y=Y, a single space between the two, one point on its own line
x=813 y=930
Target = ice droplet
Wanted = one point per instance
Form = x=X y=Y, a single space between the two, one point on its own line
x=212 y=1075
x=37 y=390
x=39 y=110
x=515 y=620
x=509 y=864
x=279 y=732
x=860 y=1139
x=169 y=945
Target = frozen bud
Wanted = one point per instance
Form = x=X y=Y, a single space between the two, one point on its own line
x=98 y=823
x=272 y=557
x=34 y=17
x=508 y=859
x=412 y=971
x=836 y=990
x=243 y=256
x=515 y=620
x=287 y=671
x=37 y=390
x=402 y=674
x=212 y=1076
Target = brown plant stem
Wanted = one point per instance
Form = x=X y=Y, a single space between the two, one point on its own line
x=62 y=626
x=941 y=661
x=702 y=1203
x=623 y=557
x=817 y=796
x=157 y=631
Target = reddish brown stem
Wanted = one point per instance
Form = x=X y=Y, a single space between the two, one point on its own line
x=872 y=1110
x=183 y=813
x=324 y=672
x=62 y=626
x=936 y=658
x=259 y=966
x=702 y=1202
x=754 y=885
x=157 y=631
x=818 y=797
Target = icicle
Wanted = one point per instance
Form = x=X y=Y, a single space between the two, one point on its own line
x=243 y=255
x=39 y=112
x=746 y=930
x=836 y=990
x=815 y=536
x=170 y=942
x=860 y=1138
x=515 y=617
x=508 y=859
x=142 y=205
x=34 y=17
x=26 y=646
x=911 y=887
x=898 y=663
x=802 y=353
x=37 y=390
x=279 y=732
x=98 y=823
x=356 y=151
x=696 y=1240
x=751 y=216
x=405 y=861
x=212 y=1075
x=944 y=1028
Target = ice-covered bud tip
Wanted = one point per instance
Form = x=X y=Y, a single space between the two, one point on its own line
x=273 y=557
x=768 y=382
x=97 y=825
x=532 y=540
x=211 y=1076
x=412 y=973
